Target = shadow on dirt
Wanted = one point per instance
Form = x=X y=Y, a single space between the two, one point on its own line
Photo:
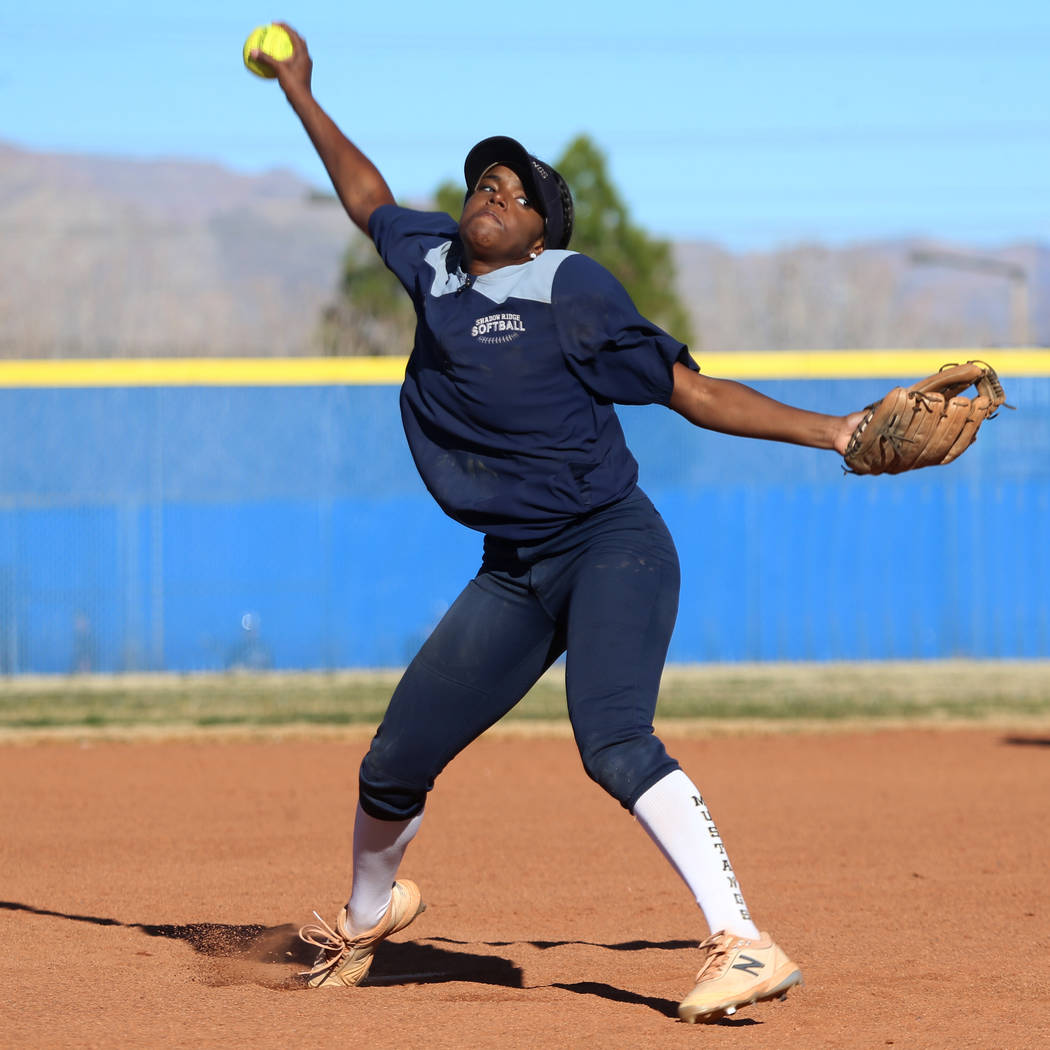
x=667 y=1007
x=396 y=963
x=416 y=963
x=1027 y=741
x=260 y=943
x=617 y=946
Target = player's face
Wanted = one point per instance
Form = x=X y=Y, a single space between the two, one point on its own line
x=500 y=226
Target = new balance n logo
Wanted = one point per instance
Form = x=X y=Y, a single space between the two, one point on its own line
x=749 y=966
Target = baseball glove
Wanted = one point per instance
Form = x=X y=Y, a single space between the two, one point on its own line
x=926 y=424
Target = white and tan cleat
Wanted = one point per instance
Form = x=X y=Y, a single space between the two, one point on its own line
x=344 y=959
x=737 y=972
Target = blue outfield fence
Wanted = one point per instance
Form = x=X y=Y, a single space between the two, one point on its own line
x=202 y=515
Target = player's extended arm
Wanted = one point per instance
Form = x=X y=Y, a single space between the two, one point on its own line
x=356 y=179
x=733 y=408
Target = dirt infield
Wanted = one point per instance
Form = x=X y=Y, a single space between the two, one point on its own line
x=151 y=891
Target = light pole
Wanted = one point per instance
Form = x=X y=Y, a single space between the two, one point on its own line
x=1015 y=273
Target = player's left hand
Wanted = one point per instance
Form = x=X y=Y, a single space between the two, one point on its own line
x=927 y=424
x=847 y=425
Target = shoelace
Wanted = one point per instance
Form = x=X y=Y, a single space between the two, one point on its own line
x=331 y=942
x=322 y=936
x=718 y=948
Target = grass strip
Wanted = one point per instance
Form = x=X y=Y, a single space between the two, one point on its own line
x=946 y=691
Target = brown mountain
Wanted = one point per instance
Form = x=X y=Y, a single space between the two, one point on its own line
x=105 y=256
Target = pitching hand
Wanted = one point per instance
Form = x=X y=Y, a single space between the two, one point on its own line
x=294 y=73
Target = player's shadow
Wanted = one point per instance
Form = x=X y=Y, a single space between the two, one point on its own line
x=1027 y=741
x=616 y=946
x=406 y=962
x=398 y=963
x=667 y=1007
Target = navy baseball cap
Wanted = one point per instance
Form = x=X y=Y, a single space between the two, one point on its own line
x=546 y=189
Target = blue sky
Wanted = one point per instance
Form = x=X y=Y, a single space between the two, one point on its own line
x=755 y=125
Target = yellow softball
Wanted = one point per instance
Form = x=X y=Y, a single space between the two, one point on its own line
x=271 y=40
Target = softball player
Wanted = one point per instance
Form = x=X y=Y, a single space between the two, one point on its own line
x=521 y=350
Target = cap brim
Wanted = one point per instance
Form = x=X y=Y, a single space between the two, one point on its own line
x=512 y=154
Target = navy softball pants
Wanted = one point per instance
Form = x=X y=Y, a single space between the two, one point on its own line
x=604 y=591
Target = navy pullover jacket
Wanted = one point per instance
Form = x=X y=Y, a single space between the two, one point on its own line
x=508 y=396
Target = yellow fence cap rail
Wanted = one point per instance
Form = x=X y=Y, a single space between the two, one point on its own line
x=386 y=371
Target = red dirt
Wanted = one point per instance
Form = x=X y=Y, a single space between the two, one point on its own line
x=151 y=892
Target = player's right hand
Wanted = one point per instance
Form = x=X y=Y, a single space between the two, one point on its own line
x=293 y=73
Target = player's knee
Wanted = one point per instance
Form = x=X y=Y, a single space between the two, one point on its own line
x=626 y=769
x=385 y=796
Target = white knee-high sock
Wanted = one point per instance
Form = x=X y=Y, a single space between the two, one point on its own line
x=379 y=846
x=677 y=819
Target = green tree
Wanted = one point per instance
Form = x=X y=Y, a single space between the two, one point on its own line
x=372 y=315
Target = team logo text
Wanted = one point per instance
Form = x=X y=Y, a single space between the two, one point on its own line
x=497 y=328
